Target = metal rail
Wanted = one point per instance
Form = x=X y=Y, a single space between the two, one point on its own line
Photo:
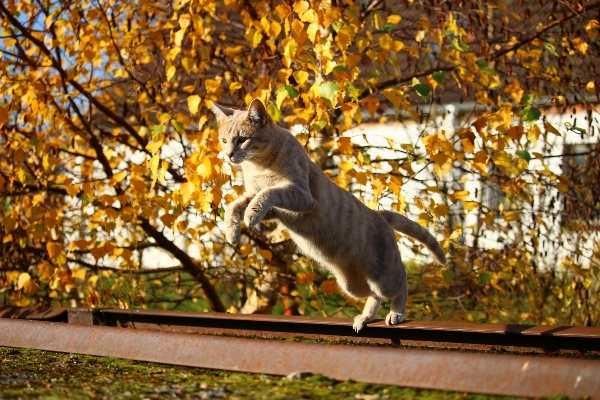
x=531 y=375
x=452 y=335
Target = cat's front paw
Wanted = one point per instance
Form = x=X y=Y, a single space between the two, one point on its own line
x=232 y=234
x=359 y=323
x=253 y=216
x=394 y=319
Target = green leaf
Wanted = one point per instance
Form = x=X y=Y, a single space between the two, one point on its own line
x=156 y=129
x=337 y=25
x=340 y=68
x=292 y=92
x=439 y=77
x=462 y=47
x=388 y=28
x=352 y=91
x=274 y=111
x=448 y=276
x=581 y=131
x=85 y=199
x=484 y=278
x=530 y=114
x=423 y=89
x=178 y=126
x=319 y=125
x=527 y=99
x=524 y=155
x=551 y=49
x=485 y=68
x=328 y=90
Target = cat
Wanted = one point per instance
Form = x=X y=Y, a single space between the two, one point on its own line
x=327 y=223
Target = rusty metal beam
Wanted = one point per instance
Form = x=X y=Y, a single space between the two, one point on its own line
x=463 y=335
x=530 y=376
x=56 y=314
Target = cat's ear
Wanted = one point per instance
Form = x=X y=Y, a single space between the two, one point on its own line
x=221 y=112
x=257 y=113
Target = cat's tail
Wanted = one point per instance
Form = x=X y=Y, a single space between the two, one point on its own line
x=404 y=225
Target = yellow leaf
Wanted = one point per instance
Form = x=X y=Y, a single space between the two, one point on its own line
x=204 y=169
x=301 y=76
x=461 y=195
x=30 y=287
x=54 y=249
x=510 y=216
x=179 y=37
x=371 y=104
x=590 y=87
x=119 y=176
x=79 y=273
x=349 y=109
x=312 y=31
x=467 y=145
x=184 y=21
x=533 y=134
x=245 y=249
x=395 y=96
x=309 y=16
x=300 y=7
x=393 y=19
x=235 y=86
x=188 y=64
x=593 y=24
x=266 y=254
x=154 y=146
x=3 y=116
x=346 y=165
x=171 y=72
x=391 y=143
x=186 y=190
x=424 y=219
x=440 y=210
x=329 y=287
x=45 y=270
x=551 y=129
x=305 y=277
x=92 y=280
x=502 y=159
x=386 y=42
x=470 y=205
x=212 y=85
x=580 y=45
x=154 y=161
x=89 y=53
x=23 y=278
x=72 y=190
x=193 y=103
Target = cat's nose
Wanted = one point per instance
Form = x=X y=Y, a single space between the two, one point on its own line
x=230 y=155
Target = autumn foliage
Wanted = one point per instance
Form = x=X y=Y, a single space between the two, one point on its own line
x=109 y=158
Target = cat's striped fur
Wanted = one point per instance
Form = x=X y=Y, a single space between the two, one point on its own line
x=355 y=243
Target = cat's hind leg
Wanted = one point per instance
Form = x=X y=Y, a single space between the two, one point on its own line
x=369 y=313
x=398 y=308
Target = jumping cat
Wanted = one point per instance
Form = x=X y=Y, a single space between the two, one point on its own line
x=327 y=223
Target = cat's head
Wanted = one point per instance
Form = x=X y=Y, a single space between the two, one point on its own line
x=244 y=135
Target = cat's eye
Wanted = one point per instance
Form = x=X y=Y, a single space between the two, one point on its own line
x=224 y=140
x=242 y=140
